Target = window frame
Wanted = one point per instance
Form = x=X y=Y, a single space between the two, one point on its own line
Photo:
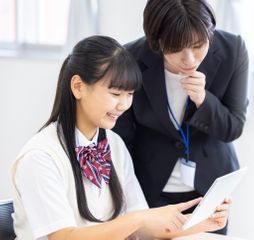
x=19 y=49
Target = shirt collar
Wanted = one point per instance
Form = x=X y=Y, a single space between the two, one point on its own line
x=81 y=139
x=174 y=76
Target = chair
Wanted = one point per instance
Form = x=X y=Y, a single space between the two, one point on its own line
x=6 y=222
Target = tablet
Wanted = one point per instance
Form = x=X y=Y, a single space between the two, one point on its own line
x=221 y=188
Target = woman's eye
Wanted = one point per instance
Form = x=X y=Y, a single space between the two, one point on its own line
x=198 y=46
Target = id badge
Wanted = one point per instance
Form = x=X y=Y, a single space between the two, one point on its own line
x=188 y=170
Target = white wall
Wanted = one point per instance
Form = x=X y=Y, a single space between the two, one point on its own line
x=27 y=92
x=242 y=210
x=121 y=19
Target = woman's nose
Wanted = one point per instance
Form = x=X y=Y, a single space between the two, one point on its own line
x=188 y=57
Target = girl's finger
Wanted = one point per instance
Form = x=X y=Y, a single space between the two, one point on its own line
x=222 y=214
x=222 y=207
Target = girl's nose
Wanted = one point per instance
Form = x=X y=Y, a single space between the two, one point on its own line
x=124 y=103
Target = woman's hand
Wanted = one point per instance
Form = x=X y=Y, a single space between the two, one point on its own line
x=219 y=218
x=162 y=221
x=194 y=86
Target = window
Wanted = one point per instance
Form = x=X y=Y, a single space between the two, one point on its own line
x=33 y=22
x=7 y=20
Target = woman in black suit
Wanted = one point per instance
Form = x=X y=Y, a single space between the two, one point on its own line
x=192 y=103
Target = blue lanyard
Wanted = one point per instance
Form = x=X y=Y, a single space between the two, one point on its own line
x=186 y=138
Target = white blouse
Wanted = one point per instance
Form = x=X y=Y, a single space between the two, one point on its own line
x=44 y=187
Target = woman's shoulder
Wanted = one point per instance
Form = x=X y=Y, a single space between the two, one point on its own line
x=228 y=47
x=136 y=44
x=139 y=48
x=227 y=40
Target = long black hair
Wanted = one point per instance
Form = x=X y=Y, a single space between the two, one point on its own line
x=171 y=25
x=92 y=58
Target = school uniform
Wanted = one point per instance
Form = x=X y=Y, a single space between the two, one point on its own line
x=45 y=196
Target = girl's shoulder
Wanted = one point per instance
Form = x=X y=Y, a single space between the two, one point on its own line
x=45 y=139
x=114 y=138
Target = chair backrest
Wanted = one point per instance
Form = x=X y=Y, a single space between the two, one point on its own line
x=6 y=221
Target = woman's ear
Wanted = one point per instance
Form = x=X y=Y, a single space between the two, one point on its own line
x=77 y=86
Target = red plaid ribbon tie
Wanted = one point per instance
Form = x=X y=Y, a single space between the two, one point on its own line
x=94 y=161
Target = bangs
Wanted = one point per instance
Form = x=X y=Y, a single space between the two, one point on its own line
x=184 y=33
x=124 y=72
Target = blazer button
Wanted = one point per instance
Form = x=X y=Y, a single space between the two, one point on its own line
x=179 y=145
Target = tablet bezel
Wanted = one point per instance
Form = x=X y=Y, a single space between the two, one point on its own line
x=221 y=188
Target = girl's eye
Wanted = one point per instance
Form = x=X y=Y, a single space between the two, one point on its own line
x=116 y=94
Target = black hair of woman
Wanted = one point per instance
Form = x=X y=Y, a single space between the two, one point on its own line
x=190 y=23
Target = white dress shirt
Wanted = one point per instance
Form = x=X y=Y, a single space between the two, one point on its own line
x=45 y=199
x=177 y=99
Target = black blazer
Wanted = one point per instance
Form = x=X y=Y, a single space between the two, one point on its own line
x=153 y=141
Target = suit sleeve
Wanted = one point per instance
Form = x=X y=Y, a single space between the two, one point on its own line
x=224 y=118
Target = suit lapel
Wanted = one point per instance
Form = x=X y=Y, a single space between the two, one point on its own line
x=155 y=88
x=210 y=65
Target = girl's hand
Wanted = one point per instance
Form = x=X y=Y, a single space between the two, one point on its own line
x=162 y=221
x=219 y=218
x=217 y=221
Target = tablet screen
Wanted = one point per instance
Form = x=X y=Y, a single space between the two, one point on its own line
x=221 y=188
